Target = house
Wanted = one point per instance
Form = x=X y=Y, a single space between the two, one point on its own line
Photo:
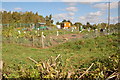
x=65 y=25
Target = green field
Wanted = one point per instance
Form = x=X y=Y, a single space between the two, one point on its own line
x=79 y=53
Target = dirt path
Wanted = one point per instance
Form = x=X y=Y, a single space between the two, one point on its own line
x=56 y=40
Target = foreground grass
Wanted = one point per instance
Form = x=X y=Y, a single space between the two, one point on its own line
x=78 y=53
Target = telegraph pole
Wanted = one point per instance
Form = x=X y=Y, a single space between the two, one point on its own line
x=108 y=14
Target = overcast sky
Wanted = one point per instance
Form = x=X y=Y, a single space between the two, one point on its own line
x=93 y=12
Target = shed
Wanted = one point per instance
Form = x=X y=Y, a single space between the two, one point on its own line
x=65 y=25
x=41 y=26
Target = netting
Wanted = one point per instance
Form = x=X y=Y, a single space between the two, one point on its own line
x=53 y=39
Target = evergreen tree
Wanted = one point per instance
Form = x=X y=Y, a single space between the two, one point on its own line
x=88 y=25
x=64 y=20
x=78 y=24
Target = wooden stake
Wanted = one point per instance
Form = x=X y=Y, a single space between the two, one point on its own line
x=72 y=30
x=42 y=40
x=51 y=40
x=33 y=40
x=57 y=33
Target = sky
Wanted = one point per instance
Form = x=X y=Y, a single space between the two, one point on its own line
x=93 y=12
x=59 y=0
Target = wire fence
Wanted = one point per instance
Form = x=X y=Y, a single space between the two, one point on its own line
x=51 y=40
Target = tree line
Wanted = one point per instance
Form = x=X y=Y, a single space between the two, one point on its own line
x=25 y=18
x=33 y=18
x=88 y=25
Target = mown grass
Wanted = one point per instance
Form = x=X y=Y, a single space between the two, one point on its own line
x=78 y=53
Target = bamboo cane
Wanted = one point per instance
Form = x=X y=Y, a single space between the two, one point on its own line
x=86 y=70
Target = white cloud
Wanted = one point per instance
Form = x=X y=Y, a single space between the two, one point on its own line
x=86 y=2
x=83 y=0
x=104 y=6
x=93 y=20
x=67 y=16
x=71 y=14
x=98 y=13
x=71 y=3
x=101 y=6
x=92 y=17
x=72 y=9
x=1 y=9
x=113 y=19
x=29 y=0
x=114 y=5
x=17 y=8
x=60 y=16
x=96 y=17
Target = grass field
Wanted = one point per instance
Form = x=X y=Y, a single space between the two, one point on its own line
x=78 y=53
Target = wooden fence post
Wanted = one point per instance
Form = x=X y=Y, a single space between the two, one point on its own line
x=57 y=33
x=42 y=36
x=72 y=29
x=33 y=40
x=51 y=40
